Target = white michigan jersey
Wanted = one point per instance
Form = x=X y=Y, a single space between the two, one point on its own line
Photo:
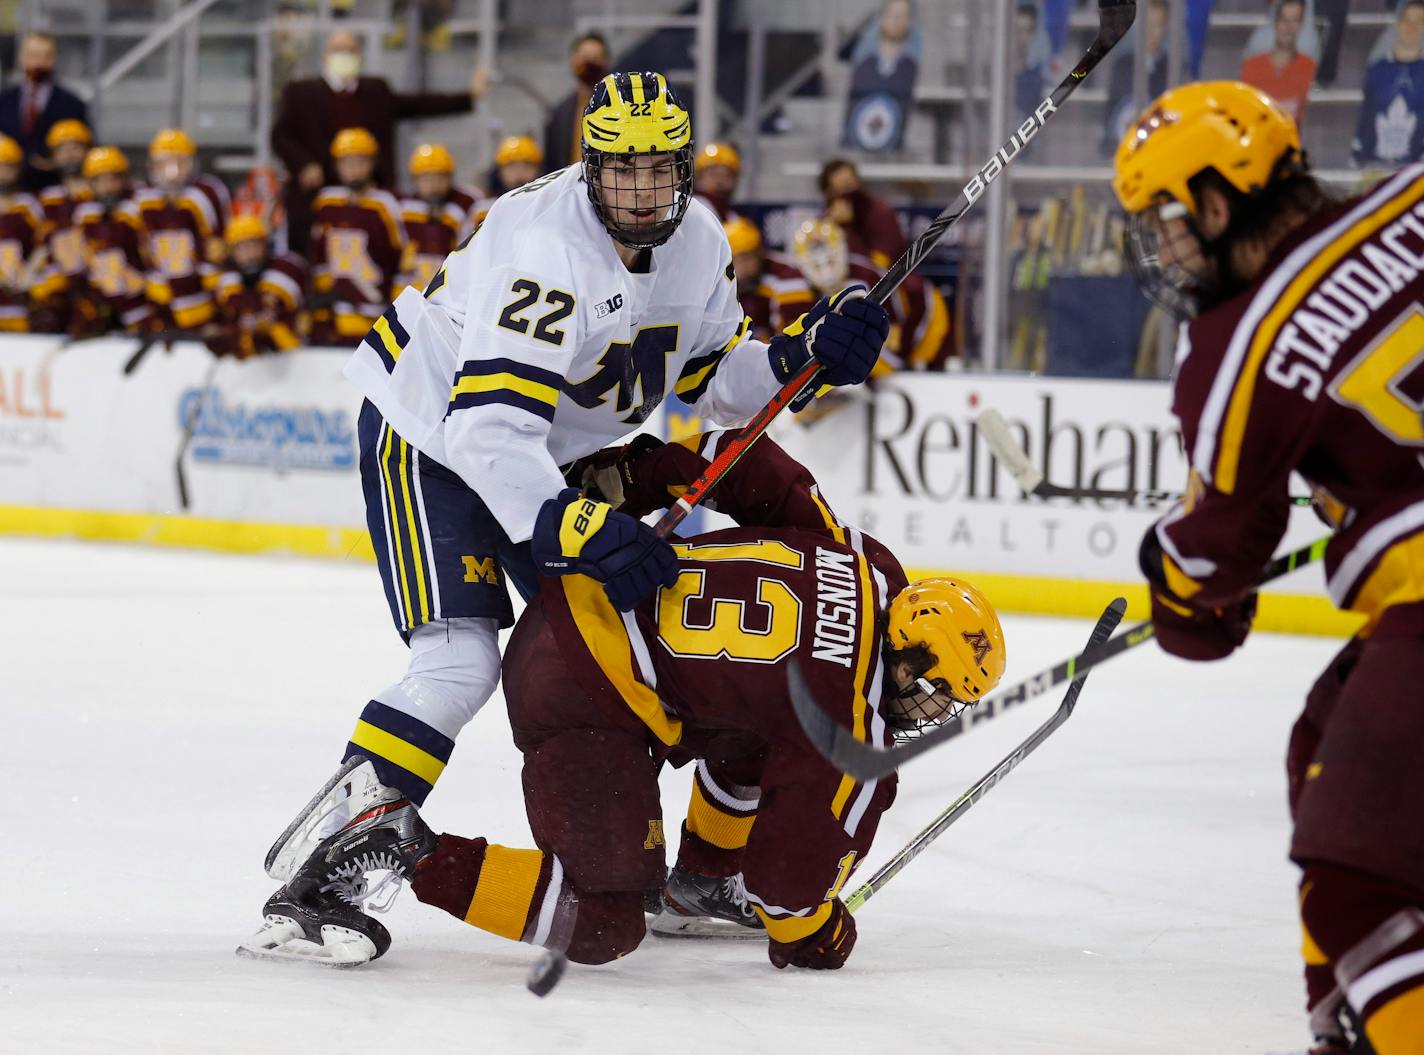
x=534 y=346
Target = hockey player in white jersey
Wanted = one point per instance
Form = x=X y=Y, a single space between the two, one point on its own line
x=584 y=299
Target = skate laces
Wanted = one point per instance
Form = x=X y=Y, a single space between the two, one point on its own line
x=348 y=881
x=734 y=889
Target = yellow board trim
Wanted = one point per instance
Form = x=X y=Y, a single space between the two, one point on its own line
x=1278 y=613
x=505 y=891
x=707 y=821
x=607 y=641
x=393 y=749
x=1233 y=433
x=506 y=383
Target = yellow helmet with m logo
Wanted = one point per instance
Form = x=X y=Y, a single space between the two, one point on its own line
x=637 y=157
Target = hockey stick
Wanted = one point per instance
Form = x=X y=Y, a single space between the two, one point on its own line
x=1106 y=624
x=864 y=761
x=166 y=336
x=1015 y=459
x=190 y=426
x=1114 y=19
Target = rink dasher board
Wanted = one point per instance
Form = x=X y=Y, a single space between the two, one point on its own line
x=272 y=467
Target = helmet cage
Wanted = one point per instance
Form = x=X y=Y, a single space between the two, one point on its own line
x=921 y=705
x=1177 y=287
x=614 y=180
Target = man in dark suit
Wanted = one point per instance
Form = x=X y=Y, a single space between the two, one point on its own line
x=589 y=62
x=314 y=110
x=31 y=108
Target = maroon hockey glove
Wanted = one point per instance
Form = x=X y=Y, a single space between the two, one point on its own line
x=826 y=950
x=1189 y=630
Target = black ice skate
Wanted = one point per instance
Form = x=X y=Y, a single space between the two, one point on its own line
x=319 y=915
x=701 y=906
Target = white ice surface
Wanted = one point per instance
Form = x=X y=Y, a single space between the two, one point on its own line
x=1126 y=890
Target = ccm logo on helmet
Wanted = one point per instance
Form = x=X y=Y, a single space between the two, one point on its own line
x=1026 y=131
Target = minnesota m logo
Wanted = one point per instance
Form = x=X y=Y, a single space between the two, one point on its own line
x=480 y=569
x=655 y=836
x=979 y=642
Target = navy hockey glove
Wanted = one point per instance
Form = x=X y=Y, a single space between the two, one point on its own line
x=844 y=333
x=577 y=535
x=1185 y=629
x=825 y=950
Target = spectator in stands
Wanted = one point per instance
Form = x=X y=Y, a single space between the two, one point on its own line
x=62 y=264
x=1284 y=72
x=1334 y=13
x=517 y=161
x=589 y=62
x=357 y=244
x=1390 y=130
x=1030 y=76
x=919 y=329
x=1121 y=106
x=30 y=109
x=110 y=294
x=20 y=224
x=260 y=296
x=435 y=215
x=884 y=67
x=770 y=288
x=715 y=174
x=314 y=110
x=182 y=215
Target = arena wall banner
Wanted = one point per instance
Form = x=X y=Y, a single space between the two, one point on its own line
x=272 y=467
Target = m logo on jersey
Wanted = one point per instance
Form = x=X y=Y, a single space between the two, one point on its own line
x=605 y=308
x=638 y=371
x=979 y=642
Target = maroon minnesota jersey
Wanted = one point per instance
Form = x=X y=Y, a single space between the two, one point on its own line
x=260 y=314
x=431 y=233
x=711 y=653
x=21 y=222
x=777 y=297
x=177 y=228
x=356 y=249
x=1318 y=367
x=113 y=283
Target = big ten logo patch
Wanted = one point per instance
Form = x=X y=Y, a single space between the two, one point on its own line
x=480 y=569
x=655 y=836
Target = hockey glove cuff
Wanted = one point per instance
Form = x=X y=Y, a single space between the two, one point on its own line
x=578 y=535
x=1191 y=631
x=825 y=950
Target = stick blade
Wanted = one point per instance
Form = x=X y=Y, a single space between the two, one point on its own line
x=1102 y=630
x=1005 y=445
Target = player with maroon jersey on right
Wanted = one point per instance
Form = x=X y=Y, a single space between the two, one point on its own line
x=356 y=246
x=434 y=216
x=597 y=700
x=770 y=289
x=1303 y=352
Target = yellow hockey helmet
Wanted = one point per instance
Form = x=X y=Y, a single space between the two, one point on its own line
x=172 y=141
x=629 y=117
x=431 y=157
x=101 y=160
x=10 y=152
x=821 y=253
x=518 y=148
x=958 y=626
x=1231 y=127
x=68 y=131
x=742 y=234
x=718 y=154
x=350 y=142
x=244 y=227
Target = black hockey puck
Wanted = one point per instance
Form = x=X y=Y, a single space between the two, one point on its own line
x=546 y=973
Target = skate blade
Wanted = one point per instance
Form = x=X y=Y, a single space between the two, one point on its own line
x=672 y=925
x=281 y=940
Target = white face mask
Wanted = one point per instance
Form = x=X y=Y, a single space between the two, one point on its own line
x=342 y=65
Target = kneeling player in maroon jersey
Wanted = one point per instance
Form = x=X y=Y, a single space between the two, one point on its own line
x=598 y=700
x=1301 y=351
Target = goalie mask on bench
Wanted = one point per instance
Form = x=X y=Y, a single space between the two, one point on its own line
x=637 y=157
